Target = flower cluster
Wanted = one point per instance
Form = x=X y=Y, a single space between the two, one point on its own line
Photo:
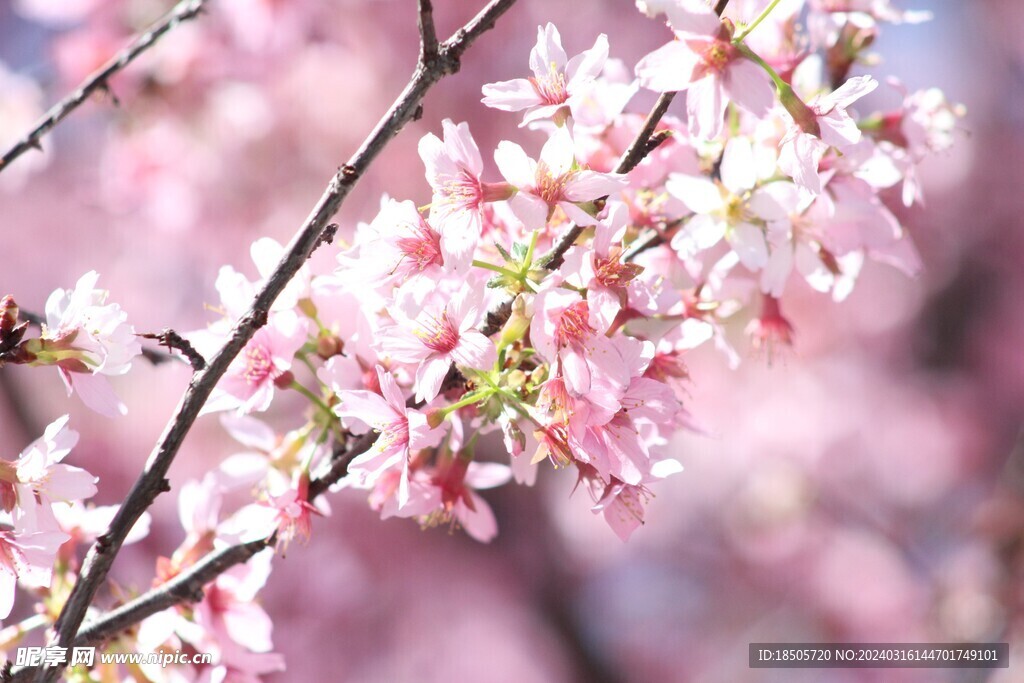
x=551 y=298
x=538 y=309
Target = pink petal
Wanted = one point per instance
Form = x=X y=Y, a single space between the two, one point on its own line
x=479 y=523
x=461 y=146
x=667 y=69
x=475 y=351
x=366 y=406
x=514 y=165
x=576 y=371
x=585 y=186
x=587 y=64
x=749 y=87
x=705 y=107
x=429 y=377
x=547 y=54
x=530 y=209
x=749 y=244
x=514 y=95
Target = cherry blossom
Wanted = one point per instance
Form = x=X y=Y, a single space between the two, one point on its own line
x=559 y=87
x=453 y=169
x=402 y=430
x=87 y=340
x=704 y=62
x=31 y=484
x=731 y=208
x=820 y=124
x=441 y=334
x=553 y=181
x=249 y=383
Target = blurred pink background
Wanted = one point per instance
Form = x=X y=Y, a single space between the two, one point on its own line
x=868 y=487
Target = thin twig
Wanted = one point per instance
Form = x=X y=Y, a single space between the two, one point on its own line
x=189 y=585
x=99 y=80
x=428 y=34
x=173 y=340
x=152 y=480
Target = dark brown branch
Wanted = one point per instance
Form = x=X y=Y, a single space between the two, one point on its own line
x=189 y=585
x=173 y=340
x=149 y=484
x=428 y=34
x=99 y=80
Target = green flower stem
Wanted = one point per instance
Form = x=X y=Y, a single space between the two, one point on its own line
x=528 y=261
x=756 y=58
x=498 y=269
x=746 y=31
x=314 y=399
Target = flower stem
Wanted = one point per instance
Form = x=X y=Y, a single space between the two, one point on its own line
x=497 y=269
x=314 y=399
x=528 y=261
x=746 y=31
x=756 y=58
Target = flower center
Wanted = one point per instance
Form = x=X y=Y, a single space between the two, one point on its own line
x=573 y=325
x=394 y=435
x=549 y=187
x=439 y=334
x=551 y=86
x=422 y=248
x=714 y=57
x=462 y=192
x=258 y=364
x=611 y=272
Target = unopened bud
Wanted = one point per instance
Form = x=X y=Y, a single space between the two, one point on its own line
x=516 y=379
x=518 y=322
x=328 y=345
x=435 y=417
x=307 y=307
x=8 y=314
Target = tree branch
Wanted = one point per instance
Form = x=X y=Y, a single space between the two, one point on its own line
x=152 y=480
x=428 y=34
x=173 y=340
x=188 y=586
x=100 y=79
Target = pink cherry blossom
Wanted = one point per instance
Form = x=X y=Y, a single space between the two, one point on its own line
x=453 y=169
x=559 y=87
x=561 y=332
x=86 y=339
x=612 y=284
x=249 y=383
x=26 y=555
x=402 y=430
x=732 y=208
x=554 y=181
x=399 y=248
x=820 y=124
x=703 y=61
x=30 y=485
x=443 y=333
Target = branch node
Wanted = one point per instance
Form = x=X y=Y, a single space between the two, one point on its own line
x=105 y=88
x=326 y=237
x=173 y=340
x=418 y=114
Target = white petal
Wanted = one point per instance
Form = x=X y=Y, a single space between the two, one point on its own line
x=700 y=194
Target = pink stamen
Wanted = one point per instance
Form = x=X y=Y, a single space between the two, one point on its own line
x=258 y=364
